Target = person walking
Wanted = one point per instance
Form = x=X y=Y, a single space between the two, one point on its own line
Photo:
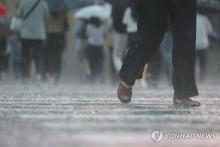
x=81 y=43
x=95 y=32
x=57 y=26
x=152 y=18
x=33 y=36
x=203 y=30
x=2 y=9
x=4 y=32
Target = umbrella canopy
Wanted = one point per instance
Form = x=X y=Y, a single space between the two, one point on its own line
x=209 y=6
x=93 y=11
x=2 y=10
x=58 y=5
x=77 y=4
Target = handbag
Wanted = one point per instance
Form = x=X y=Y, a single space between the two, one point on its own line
x=17 y=21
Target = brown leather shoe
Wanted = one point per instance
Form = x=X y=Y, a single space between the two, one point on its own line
x=124 y=92
x=186 y=102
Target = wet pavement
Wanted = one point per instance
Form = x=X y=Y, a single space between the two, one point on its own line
x=70 y=115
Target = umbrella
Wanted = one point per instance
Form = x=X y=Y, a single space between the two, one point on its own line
x=58 y=5
x=2 y=10
x=77 y=4
x=209 y=6
x=93 y=11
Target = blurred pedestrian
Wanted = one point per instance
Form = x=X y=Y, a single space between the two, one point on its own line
x=81 y=44
x=152 y=18
x=108 y=23
x=33 y=36
x=203 y=30
x=119 y=32
x=14 y=45
x=95 y=32
x=4 y=31
x=2 y=10
x=57 y=26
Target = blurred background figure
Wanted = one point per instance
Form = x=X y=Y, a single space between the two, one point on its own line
x=204 y=29
x=95 y=32
x=14 y=45
x=47 y=50
x=107 y=5
x=119 y=32
x=161 y=64
x=166 y=52
x=33 y=36
x=98 y=28
x=2 y=9
x=57 y=26
x=4 y=32
x=81 y=44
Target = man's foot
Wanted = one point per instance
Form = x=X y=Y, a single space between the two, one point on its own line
x=188 y=102
x=124 y=92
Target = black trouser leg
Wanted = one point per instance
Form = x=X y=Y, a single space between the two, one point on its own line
x=26 y=58
x=95 y=57
x=39 y=56
x=152 y=24
x=55 y=48
x=183 y=21
x=98 y=62
x=32 y=49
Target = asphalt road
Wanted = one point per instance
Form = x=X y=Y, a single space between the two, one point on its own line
x=74 y=115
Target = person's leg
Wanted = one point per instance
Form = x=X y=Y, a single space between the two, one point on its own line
x=26 y=58
x=91 y=56
x=39 y=56
x=152 y=23
x=47 y=55
x=60 y=39
x=113 y=71
x=96 y=62
x=183 y=21
x=100 y=63
x=55 y=51
x=4 y=55
x=119 y=47
x=166 y=47
x=203 y=56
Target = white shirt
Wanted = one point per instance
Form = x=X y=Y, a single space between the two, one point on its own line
x=95 y=35
x=129 y=21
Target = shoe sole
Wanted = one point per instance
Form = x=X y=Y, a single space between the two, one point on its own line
x=184 y=105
